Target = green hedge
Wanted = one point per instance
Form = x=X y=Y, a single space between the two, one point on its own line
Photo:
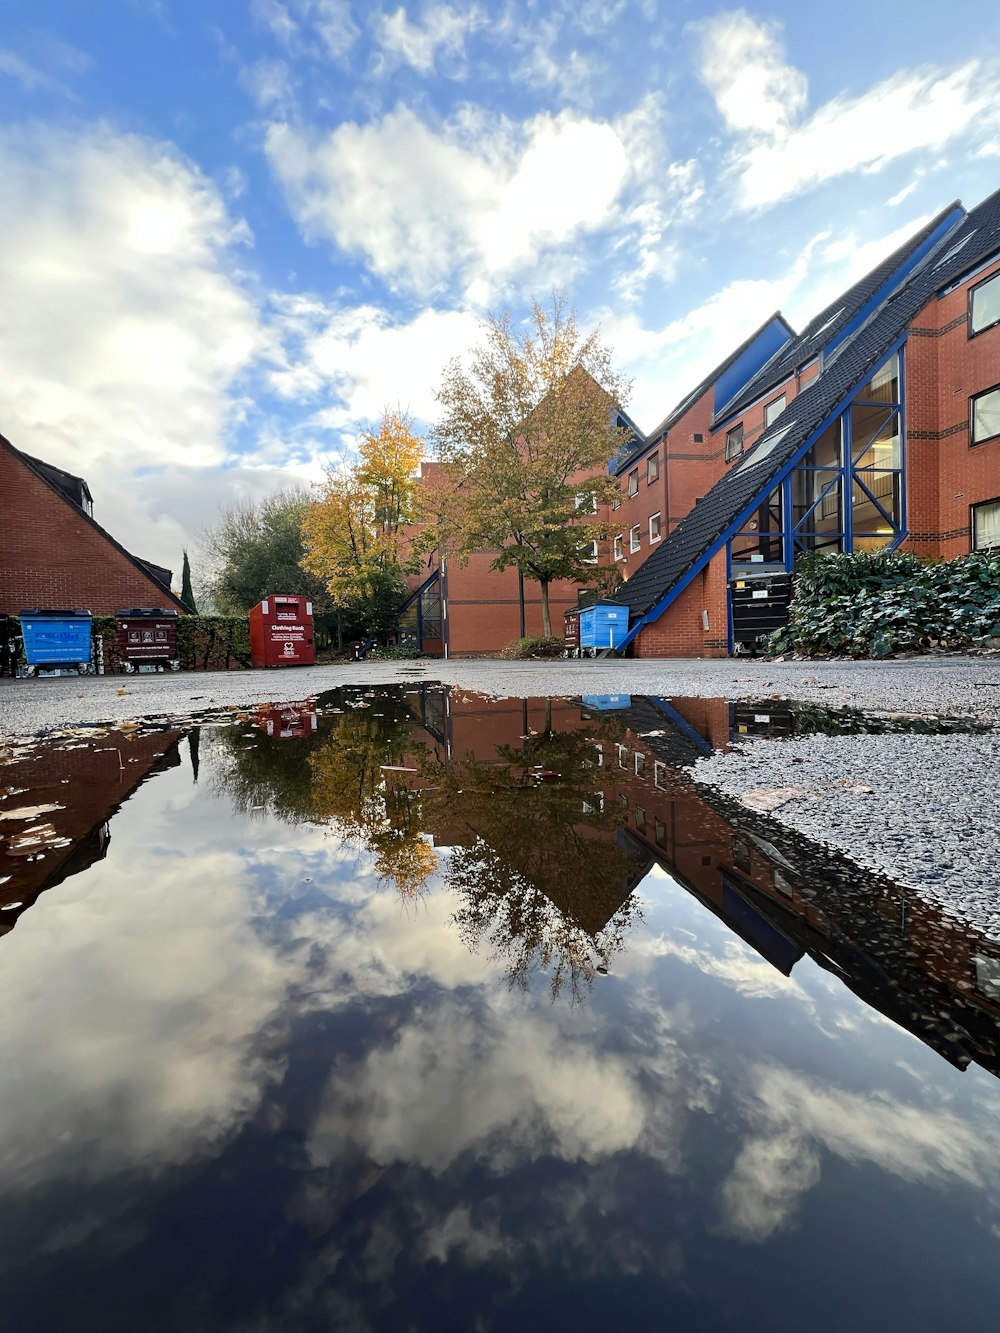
x=877 y=603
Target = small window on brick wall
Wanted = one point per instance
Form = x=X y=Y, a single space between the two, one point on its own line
x=634 y=538
x=654 y=527
x=985 y=416
x=986 y=526
x=984 y=305
x=620 y=547
x=734 y=442
x=652 y=467
x=633 y=483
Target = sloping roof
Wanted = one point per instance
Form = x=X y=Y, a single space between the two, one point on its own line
x=688 y=548
x=675 y=414
x=42 y=471
x=72 y=486
x=833 y=322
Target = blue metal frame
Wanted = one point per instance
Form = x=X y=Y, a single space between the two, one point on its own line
x=783 y=477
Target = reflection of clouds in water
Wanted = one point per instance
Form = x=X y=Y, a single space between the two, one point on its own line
x=793 y=1118
x=492 y=1078
x=138 y=1002
x=732 y=962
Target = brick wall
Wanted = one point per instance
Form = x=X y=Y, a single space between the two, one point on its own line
x=945 y=474
x=484 y=606
x=51 y=556
x=680 y=631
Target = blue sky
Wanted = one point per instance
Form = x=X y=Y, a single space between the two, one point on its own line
x=234 y=232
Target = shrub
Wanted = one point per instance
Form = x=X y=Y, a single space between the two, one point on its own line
x=878 y=603
x=396 y=652
x=533 y=646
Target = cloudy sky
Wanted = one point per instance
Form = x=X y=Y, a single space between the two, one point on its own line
x=234 y=232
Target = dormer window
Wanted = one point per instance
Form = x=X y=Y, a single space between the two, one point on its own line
x=774 y=410
x=734 y=442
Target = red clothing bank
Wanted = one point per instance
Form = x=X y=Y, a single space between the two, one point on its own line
x=876 y=425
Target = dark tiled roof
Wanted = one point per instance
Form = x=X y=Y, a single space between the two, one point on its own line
x=829 y=323
x=73 y=487
x=689 y=545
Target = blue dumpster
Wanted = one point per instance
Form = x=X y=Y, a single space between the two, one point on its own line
x=56 y=638
x=603 y=703
x=602 y=625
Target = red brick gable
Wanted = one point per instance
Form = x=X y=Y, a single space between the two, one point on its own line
x=52 y=554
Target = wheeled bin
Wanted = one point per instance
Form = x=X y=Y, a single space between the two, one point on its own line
x=759 y=605
x=56 y=640
x=281 y=632
x=602 y=625
x=147 y=637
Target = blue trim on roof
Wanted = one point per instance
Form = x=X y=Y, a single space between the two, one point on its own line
x=771 y=339
x=684 y=727
x=435 y=574
x=951 y=220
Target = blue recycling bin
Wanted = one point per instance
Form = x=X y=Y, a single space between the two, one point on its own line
x=603 y=703
x=56 y=638
x=602 y=625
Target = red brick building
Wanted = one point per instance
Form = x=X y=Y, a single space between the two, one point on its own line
x=54 y=555
x=876 y=426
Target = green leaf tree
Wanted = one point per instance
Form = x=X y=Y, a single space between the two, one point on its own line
x=187 y=592
x=255 y=550
x=527 y=430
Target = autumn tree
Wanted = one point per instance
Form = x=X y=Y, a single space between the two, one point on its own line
x=356 y=531
x=527 y=430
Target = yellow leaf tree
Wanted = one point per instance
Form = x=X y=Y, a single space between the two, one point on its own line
x=356 y=531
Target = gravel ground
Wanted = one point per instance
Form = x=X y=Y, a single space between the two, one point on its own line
x=922 y=809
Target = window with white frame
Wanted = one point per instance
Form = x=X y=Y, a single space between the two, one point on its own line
x=588 y=553
x=620 y=547
x=623 y=756
x=633 y=483
x=659 y=775
x=634 y=539
x=587 y=503
x=984 y=305
x=774 y=410
x=652 y=467
x=654 y=527
x=985 y=416
x=640 y=763
x=986 y=525
x=734 y=442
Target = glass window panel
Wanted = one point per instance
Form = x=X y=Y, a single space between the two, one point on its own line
x=652 y=467
x=816 y=500
x=986 y=304
x=826 y=451
x=654 y=527
x=773 y=410
x=986 y=526
x=883 y=387
x=734 y=442
x=986 y=416
x=634 y=540
x=619 y=544
x=633 y=483
x=874 y=436
x=870 y=525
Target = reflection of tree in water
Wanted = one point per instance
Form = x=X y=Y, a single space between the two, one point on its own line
x=534 y=857
x=543 y=879
x=370 y=804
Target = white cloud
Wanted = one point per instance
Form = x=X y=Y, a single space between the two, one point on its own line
x=479 y=195
x=441 y=31
x=364 y=362
x=269 y=83
x=123 y=331
x=16 y=67
x=780 y=151
x=299 y=24
x=741 y=62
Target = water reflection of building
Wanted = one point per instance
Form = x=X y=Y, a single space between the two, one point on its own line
x=86 y=781
x=287 y=721
x=787 y=899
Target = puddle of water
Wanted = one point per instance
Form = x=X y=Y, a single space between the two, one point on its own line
x=404 y=1008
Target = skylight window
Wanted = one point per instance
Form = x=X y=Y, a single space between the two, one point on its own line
x=832 y=320
x=763 y=449
x=955 y=249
